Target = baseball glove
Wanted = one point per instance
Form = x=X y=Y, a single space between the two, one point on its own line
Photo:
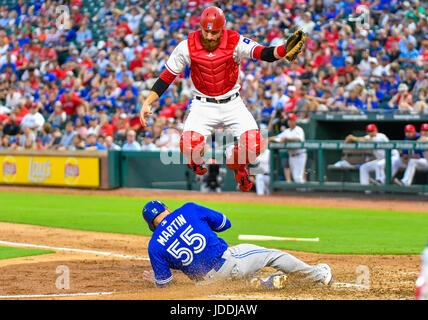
x=294 y=45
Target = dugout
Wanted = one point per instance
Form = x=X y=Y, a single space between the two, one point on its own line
x=338 y=126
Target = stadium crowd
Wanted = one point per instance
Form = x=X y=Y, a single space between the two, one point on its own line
x=83 y=87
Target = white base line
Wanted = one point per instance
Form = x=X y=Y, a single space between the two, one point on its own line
x=56 y=295
x=16 y=244
x=346 y=285
x=221 y=296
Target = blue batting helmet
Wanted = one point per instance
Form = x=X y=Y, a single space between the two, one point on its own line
x=151 y=210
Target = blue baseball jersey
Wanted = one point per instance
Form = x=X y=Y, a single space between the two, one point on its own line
x=186 y=240
x=413 y=152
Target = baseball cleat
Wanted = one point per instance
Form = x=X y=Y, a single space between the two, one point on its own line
x=243 y=178
x=375 y=182
x=328 y=277
x=198 y=168
x=398 y=182
x=275 y=281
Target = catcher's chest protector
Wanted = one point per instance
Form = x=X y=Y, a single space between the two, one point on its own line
x=213 y=73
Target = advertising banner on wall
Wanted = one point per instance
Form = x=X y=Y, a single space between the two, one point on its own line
x=50 y=171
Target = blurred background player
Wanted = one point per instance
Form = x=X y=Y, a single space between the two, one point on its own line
x=411 y=134
x=378 y=164
x=263 y=173
x=420 y=163
x=297 y=157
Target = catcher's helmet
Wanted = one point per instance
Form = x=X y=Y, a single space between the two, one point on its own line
x=212 y=19
x=151 y=210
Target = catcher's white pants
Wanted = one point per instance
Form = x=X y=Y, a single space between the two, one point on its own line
x=244 y=260
x=297 y=167
x=204 y=117
x=412 y=166
x=262 y=184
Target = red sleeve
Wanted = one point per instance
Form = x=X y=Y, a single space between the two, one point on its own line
x=167 y=76
x=76 y=100
x=257 y=52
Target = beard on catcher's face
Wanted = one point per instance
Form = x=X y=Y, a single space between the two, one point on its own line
x=210 y=45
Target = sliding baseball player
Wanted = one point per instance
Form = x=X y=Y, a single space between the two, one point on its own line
x=186 y=239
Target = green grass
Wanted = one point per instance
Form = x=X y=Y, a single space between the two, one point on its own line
x=342 y=231
x=10 y=252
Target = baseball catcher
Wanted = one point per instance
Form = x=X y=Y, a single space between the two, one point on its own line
x=214 y=54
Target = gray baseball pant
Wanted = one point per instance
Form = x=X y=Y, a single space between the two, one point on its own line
x=244 y=260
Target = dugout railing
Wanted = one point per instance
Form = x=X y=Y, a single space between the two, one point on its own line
x=318 y=166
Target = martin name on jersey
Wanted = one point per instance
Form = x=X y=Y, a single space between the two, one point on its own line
x=185 y=241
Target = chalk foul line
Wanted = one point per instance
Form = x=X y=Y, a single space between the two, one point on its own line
x=24 y=296
x=103 y=253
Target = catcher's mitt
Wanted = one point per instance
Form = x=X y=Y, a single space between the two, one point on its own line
x=294 y=45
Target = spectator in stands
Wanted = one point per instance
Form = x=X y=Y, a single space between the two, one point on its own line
x=54 y=144
x=77 y=144
x=34 y=120
x=94 y=127
x=293 y=97
x=92 y=144
x=148 y=144
x=120 y=123
x=67 y=137
x=3 y=146
x=11 y=128
x=46 y=134
x=27 y=134
x=131 y=144
x=402 y=100
x=49 y=61
x=110 y=145
x=353 y=103
x=13 y=143
x=421 y=105
x=58 y=118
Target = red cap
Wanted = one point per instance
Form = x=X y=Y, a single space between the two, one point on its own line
x=212 y=19
x=292 y=116
x=409 y=128
x=424 y=127
x=371 y=127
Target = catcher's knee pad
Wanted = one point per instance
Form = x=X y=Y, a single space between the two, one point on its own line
x=251 y=144
x=192 y=146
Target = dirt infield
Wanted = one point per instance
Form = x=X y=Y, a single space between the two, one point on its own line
x=390 y=277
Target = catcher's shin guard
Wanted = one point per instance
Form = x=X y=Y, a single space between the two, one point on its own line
x=192 y=146
x=246 y=151
x=251 y=144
